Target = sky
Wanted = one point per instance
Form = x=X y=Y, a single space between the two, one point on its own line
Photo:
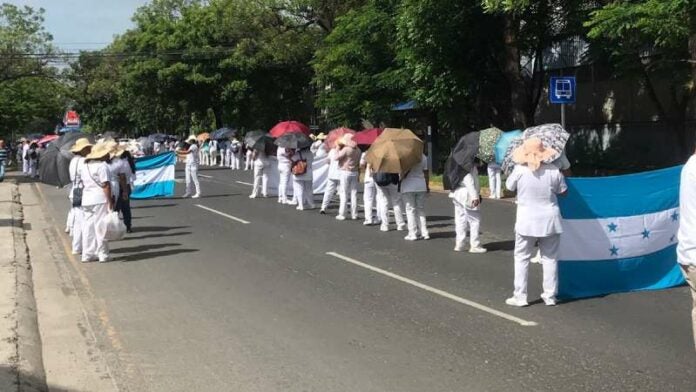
x=84 y=24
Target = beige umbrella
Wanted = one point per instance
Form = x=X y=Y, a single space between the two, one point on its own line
x=395 y=151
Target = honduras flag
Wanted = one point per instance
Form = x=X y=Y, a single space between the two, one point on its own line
x=620 y=234
x=155 y=176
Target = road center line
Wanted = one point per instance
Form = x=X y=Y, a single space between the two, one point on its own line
x=433 y=290
x=205 y=176
x=234 y=218
x=244 y=183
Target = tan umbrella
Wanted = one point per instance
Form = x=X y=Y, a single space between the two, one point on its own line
x=395 y=151
x=203 y=137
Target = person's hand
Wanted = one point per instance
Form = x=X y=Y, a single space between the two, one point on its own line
x=476 y=203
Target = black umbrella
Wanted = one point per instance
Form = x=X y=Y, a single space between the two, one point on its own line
x=223 y=133
x=54 y=162
x=258 y=140
x=158 y=138
x=461 y=160
x=296 y=141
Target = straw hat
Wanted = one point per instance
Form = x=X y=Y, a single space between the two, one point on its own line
x=347 y=140
x=80 y=145
x=191 y=139
x=321 y=136
x=118 y=151
x=532 y=153
x=99 y=151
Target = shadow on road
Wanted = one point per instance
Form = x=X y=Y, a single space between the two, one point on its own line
x=142 y=248
x=436 y=218
x=153 y=255
x=444 y=234
x=144 y=237
x=146 y=229
x=502 y=245
x=153 y=206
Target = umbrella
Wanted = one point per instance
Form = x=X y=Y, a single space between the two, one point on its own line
x=296 y=141
x=551 y=135
x=157 y=138
x=288 y=127
x=487 y=141
x=395 y=151
x=69 y=130
x=223 y=133
x=503 y=143
x=368 y=136
x=47 y=139
x=145 y=142
x=54 y=162
x=110 y=135
x=461 y=160
x=257 y=140
x=203 y=137
x=335 y=135
x=34 y=136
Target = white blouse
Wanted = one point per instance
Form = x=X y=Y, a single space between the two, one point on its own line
x=538 y=214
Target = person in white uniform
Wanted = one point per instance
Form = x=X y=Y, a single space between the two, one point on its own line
x=97 y=201
x=213 y=153
x=25 y=157
x=467 y=214
x=81 y=149
x=348 y=156
x=414 y=188
x=284 y=171
x=235 y=149
x=249 y=163
x=33 y=155
x=389 y=197
x=191 y=171
x=369 y=194
x=494 y=180
x=260 y=174
x=686 y=249
x=538 y=217
x=302 y=182
x=333 y=182
x=318 y=147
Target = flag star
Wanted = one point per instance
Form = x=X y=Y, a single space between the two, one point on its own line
x=675 y=216
x=646 y=233
x=614 y=250
x=612 y=227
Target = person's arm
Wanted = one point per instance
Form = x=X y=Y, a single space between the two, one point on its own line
x=562 y=188
x=511 y=182
x=472 y=193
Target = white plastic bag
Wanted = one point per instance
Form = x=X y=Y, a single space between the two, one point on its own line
x=113 y=226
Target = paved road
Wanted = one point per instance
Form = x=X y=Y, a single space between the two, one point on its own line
x=198 y=301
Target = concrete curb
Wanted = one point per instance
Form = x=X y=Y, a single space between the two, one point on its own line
x=31 y=374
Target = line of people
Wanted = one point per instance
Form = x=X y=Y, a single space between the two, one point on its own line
x=228 y=153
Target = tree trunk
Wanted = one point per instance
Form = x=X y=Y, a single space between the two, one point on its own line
x=512 y=72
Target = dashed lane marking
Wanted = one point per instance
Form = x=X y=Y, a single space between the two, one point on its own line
x=234 y=218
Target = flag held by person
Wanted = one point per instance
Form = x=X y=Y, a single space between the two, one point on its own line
x=155 y=176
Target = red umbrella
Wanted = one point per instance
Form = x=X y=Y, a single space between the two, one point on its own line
x=288 y=127
x=335 y=135
x=47 y=139
x=368 y=136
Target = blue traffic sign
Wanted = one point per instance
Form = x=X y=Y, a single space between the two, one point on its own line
x=562 y=90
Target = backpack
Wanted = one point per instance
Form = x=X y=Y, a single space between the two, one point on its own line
x=235 y=148
x=299 y=167
x=385 y=179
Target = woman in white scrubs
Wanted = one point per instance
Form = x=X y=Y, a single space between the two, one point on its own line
x=414 y=188
x=97 y=201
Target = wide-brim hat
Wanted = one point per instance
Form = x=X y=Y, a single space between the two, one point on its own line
x=118 y=151
x=347 y=140
x=99 y=151
x=191 y=139
x=532 y=153
x=80 y=145
x=320 y=136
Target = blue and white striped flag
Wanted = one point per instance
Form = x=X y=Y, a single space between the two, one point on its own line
x=620 y=234
x=155 y=176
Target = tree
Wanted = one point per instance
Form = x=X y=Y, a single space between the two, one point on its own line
x=655 y=39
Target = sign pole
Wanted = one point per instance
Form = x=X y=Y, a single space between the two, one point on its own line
x=430 y=149
x=563 y=116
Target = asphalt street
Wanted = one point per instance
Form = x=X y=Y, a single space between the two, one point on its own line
x=224 y=293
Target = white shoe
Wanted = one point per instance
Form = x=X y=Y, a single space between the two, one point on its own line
x=252 y=196
x=426 y=236
x=340 y=217
x=367 y=223
x=459 y=248
x=186 y=195
x=411 y=238
x=291 y=203
x=550 y=301
x=89 y=260
x=401 y=228
x=384 y=228
x=299 y=208
x=512 y=301
x=478 y=249
x=196 y=196
x=104 y=259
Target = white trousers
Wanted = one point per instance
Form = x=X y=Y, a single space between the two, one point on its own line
x=524 y=246
x=25 y=166
x=466 y=219
x=283 y=184
x=304 y=194
x=415 y=213
x=224 y=158
x=33 y=166
x=260 y=181
x=236 y=163
x=192 y=180
x=249 y=161
x=495 y=182
x=389 y=197
x=76 y=222
x=330 y=192
x=370 y=201
x=93 y=245
x=348 y=189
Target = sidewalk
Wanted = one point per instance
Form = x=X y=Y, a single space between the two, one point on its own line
x=21 y=365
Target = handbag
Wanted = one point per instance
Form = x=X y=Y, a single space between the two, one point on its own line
x=299 y=167
x=77 y=189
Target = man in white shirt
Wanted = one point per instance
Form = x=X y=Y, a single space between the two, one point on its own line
x=686 y=249
x=192 y=159
x=538 y=217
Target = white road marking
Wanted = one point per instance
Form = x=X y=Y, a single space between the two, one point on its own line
x=244 y=183
x=205 y=176
x=179 y=181
x=234 y=218
x=433 y=290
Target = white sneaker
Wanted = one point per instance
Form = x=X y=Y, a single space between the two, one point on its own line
x=411 y=238
x=104 y=259
x=186 y=195
x=367 y=223
x=478 y=249
x=252 y=196
x=340 y=217
x=291 y=203
x=550 y=301
x=401 y=228
x=196 y=196
x=512 y=301
x=384 y=228
x=299 y=208
x=426 y=236
x=459 y=247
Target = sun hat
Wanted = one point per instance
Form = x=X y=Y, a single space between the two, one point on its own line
x=99 y=151
x=320 y=136
x=532 y=153
x=192 y=139
x=347 y=140
x=80 y=145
